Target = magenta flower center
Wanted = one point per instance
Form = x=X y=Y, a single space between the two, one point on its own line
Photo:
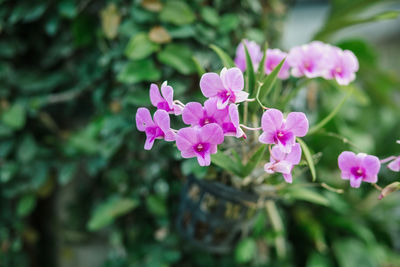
x=201 y=148
x=164 y=105
x=227 y=95
x=308 y=66
x=154 y=132
x=358 y=172
x=281 y=136
x=206 y=120
x=338 y=70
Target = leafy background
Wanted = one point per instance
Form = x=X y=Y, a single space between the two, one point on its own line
x=76 y=186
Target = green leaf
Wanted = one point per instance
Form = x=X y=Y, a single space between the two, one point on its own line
x=228 y=23
x=108 y=211
x=250 y=79
x=199 y=68
x=179 y=57
x=25 y=205
x=227 y=163
x=138 y=71
x=140 y=46
x=352 y=252
x=83 y=29
x=66 y=173
x=27 y=149
x=156 y=205
x=191 y=166
x=210 y=15
x=330 y=116
x=266 y=86
x=318 y=260
x=7 y=171
x=14 y=117
x=67 y=8
x=339 y=23
x=245 y=250
x=302 y=193
x=177 y=12
x=253 y=161
x=226 y=60
x=309 y=159
x=261 y=66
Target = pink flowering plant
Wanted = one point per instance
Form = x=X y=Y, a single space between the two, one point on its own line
x=244 y=124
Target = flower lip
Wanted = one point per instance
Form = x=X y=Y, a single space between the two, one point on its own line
x=358 y=172
x=207 y=120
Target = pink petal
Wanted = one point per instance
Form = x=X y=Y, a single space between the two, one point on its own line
x=372 y=166
x=192 y=113
x=168 y=94
x=277 y=154
x=186 y=138
x=188 y=153
x=394 y=165
x=283 y=167
x=177 y=110
x=212 y=110
x=355 y=182
x=268 y=167
x=267 y=137
x=240 y=96
x=345 y=79
x=211 y=84
x=211 y=133
x=161 y=118
x=289 y=142
x=271 y=120
x=143 y=119
x=234 y=114
x=232 y=79
x=350 y=61
x=204 y=160
x=288 y=177
x=347 y=160
x=297 y=123
x=149 y=143
x=155 y=96
x=295 y=155
x=222 y=103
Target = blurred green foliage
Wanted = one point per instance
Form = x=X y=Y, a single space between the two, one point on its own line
x=72 y=166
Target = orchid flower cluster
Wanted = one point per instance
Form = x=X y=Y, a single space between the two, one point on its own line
x=312 y=60
x=209 y=123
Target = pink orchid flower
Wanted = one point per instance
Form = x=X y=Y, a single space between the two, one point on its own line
x=283 y=162
x=395 y=164
x=226 y=88
x=358 y=168
x=199 y=142
x=308 y=60
x=342 y=67
x=254 y=52
x=231 y=124
x=157 y=129
x=274 y=57
x=164 y=102
x=195 y=114
x=280 y=131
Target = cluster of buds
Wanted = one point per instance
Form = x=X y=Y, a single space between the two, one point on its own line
x=312 y=60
